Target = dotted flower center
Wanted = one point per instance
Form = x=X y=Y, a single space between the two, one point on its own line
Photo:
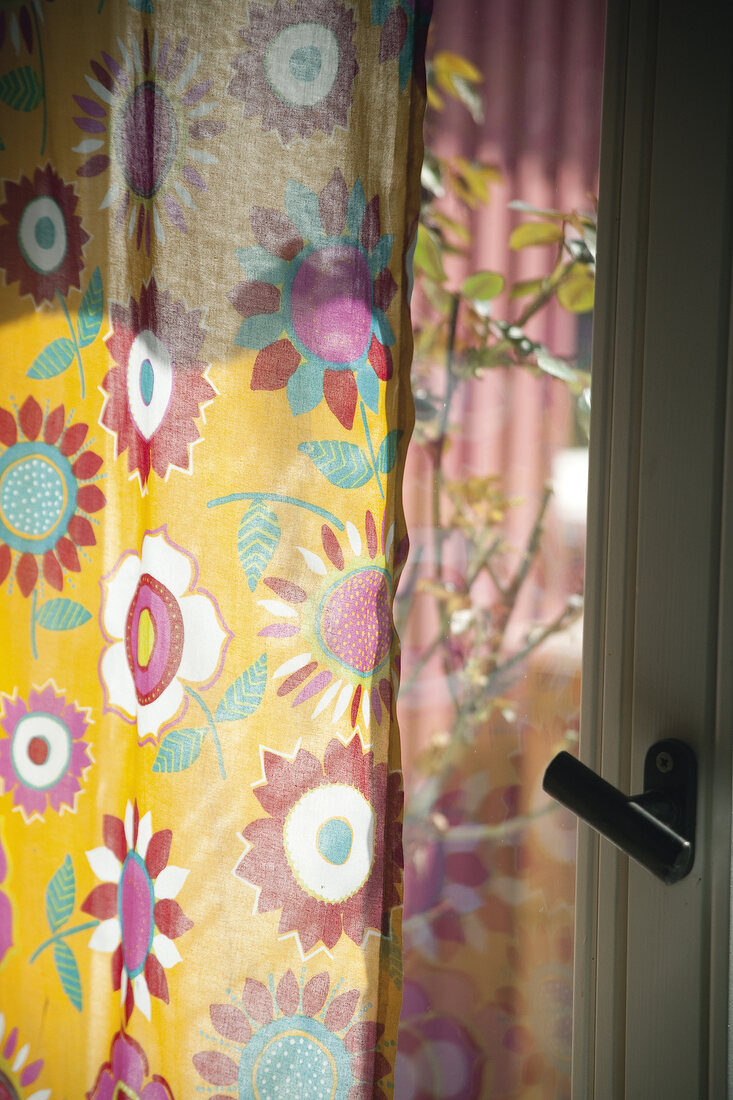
x=153 y=638
x=354 y=621
x=135 y=904
x=146 y=163
x=331 y=303
x=295 y=1056
x=37 y=496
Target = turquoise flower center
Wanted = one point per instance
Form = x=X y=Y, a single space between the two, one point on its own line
x=335 y=838
x=295 y=1056
x=37 y=497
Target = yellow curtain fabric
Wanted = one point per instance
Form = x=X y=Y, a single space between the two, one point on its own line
x=206 y=211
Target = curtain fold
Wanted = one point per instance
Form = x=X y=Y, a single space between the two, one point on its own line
x=206 y=215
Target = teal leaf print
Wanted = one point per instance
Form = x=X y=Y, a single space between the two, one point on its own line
x=343 y=464
x=301 y=205
x=61 y=614
x=245 y=695
x=367 y=384
x=381 y=254
x=21 y=89
x=305 y=388
x=384 y=329
x=257 y=332
x=61 y=895
x=261 y=266
x=387 y=453
x=53 y=360
x=259 y=535
x=68 y=972
x=355 y=209
x=178 y=750
x=90 y=310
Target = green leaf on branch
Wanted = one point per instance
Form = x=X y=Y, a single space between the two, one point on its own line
x=68 y=972
x=387 y=453
x=61 y=895
x=577 y=292
x=532 y=233
x=558 y=368
x=343 y=464
x=524 y=287
x=245 y=695
x=257 y=540
x=178 y=750
x=62 y=614
x=21 y=89
x=53 y=360
x=90 y=310
x=483 y=285
x=427 y=255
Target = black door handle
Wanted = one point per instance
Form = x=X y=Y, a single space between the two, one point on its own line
x=656 y=828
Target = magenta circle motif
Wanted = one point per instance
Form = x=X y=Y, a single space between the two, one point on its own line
x=147 y=139
x=331 y=303
x=153 y=666
x=135 y=900
x=356 y=620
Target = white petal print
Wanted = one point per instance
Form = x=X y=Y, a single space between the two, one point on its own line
x=141 y=994
x=144 y=833
x=169 y=882
x=117 y=679
x=105 y=864
x=203 y=638
x=326 y=698
x=169 y=565
x=292 y=665
x=354 y=538
x=161 y=710
x=129 y=824
x=106 y=936
x=120 y=590
x=165 y=951
x=314 y=563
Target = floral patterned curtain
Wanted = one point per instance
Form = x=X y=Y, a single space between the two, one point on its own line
x=206 y=211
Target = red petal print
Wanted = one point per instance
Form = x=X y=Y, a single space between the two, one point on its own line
x=129 y=1002
x=170 y=918
x=393 y=36
x=216 y=1068
x=86 y=465
x=54 y=425
x=332 y=203
x=102 y=902
x=287 y=780
x=370 y=225
x=113 y=831
x=82 y=531
x=231 y=1023
x=251 y=299
x=276 y=233
x=90 y=106
x=94 y=166
x=286 y=590
x=385 y=289
x=156 y=979
x=68 y=555
x=380 y=358
x=296 y=679
x=318 y=683
x=340 y=392
x=341 y=1010
x=256 y=1001
x=448 y=926
x=332 y=547
x=159 y=849
x=369 y=1066
x=31 y=418
x=102 y=76
x=6 y=560
x=52 y=572
x=288 y=994
x=376 y=705
x=26 y=573
x=117 y=961
x=90 y=498
x=31 y=1072
x=370 y=528
x=8 y=429
x=361 y=1037
x=315 y=993
x=274 y=366
x=355 y=706
x=385 y=690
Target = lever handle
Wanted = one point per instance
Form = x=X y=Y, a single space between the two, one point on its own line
x=656 y=828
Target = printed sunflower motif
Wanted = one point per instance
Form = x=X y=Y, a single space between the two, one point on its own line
x=298 y=72
x=42 y=239
x=319 y=274
x=295 y=1040
x=43 y=755
x=146 y=126
x=125 y=1073
x=159 y=385
x=16 y=18
x=18 y=1076
x=6 y=905
x=346 y=623
x=46 y=495
x=163 y=630
x=404 y=34
x=136 y=907
x=330 y=853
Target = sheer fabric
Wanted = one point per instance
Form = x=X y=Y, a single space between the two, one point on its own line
x=206 y=211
